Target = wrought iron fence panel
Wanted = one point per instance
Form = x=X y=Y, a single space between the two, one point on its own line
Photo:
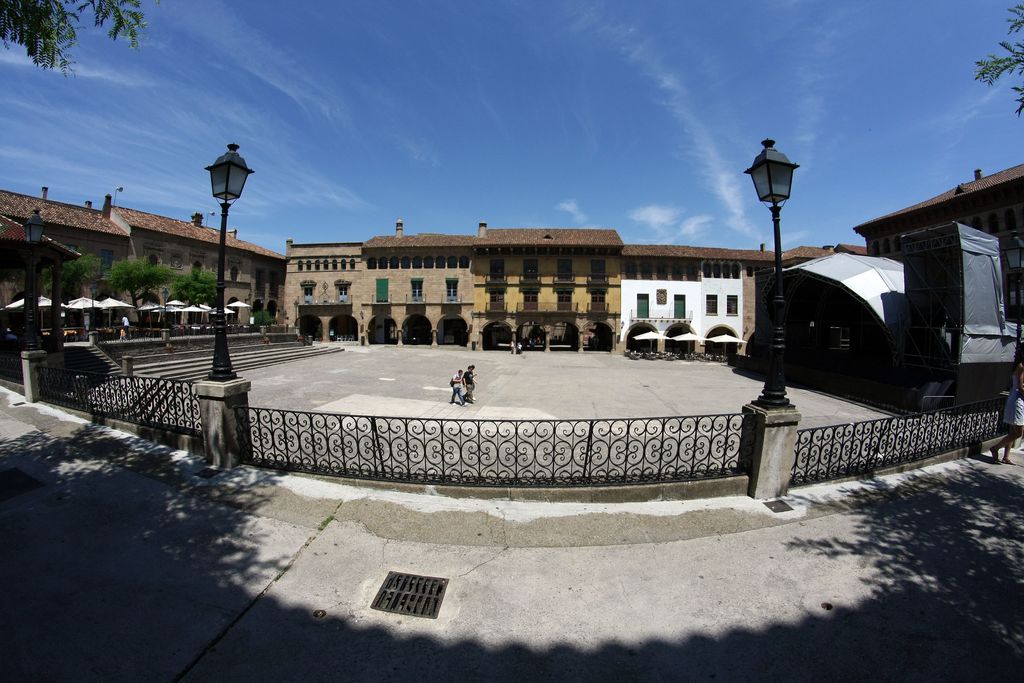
x=10 y=368
x=150 y=401
x=837 y=451
x=498 y=452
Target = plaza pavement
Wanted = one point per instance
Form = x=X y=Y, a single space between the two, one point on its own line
x=123 y=565
x=412 y=381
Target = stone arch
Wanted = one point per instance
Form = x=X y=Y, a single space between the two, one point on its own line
x=452 y=329
x=257 y=305
x=343 y=328
x=310 y=326
x=565 y=336
x=725 y=349
x=272 y=308
x=636 y=329
x=532 y=335
x=381 y=330
x=497 y=335
x=599 y=337
x=416 y=329
x=674 y=346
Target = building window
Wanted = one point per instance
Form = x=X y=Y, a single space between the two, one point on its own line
x=496 y=300
x=691 y=272
x=106 y=261
x=453 y=262
x=343 y=293
x=428 y=262
x=382 y=263
x=497 y=270
x=885 y=246
x=597 y=301
x=564 y=267
x=351 y=264
x=750 y=271
x=679 y=307
x=597 y=267
x=643 y=305
x=993 y=223
x=307 y=294
x=631 y=270
x=234 y=273
x=451 y=290
x=662 y=271
x=406 y=263
x=371 y=264
x=711 y=305
x=645 y=270
x=677 y=271
x=393 y=263
x=273 y=285
x=530 y=267
x=417 y=262
x=417 y=291
x=564 y=299
x=343 y=264
x=463 y=262
x=300 y=266
x=258 y=277
x=732 y=304
x=707 y=270
x=439 y=262
x=717 y=270
x=529 y=299
x=1010 y=219
x=736 y=271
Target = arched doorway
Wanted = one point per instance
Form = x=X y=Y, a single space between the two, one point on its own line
x=382 y=330
x=257 y=305
x=310 y=325
x=416 y=330
x=344 y=328
x=714 y=348
x=497 y=336
x=272 y=308
x=532 y=336
x=564 y=337
x=643 y=345
x=598 y=338
x=453 y=330
x=673 y=346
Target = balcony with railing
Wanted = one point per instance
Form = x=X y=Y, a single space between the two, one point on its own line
x=662 y=316
x=415 y=299
x=565 y=277
x=547 y=307
x=529 y=277
x=496 y=278
x=495 y=306
x=597 y=279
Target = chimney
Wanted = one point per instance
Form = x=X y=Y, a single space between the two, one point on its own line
x=233 y=233
x=106 y=206
x=399 y=228
x=46 y=191
x=481 y=230
x=197 y=219
x=762 y=246
x=88 y=203
x=978 y=175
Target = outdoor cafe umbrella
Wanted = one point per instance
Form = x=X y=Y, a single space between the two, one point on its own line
x=110 y=303
x=238 y=304
x=191 y=309
x=689 y=336
x=726 y=339
x=149 y=307
x=43 y=302
x=650 y=336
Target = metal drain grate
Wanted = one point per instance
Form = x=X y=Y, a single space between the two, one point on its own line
x=778 y=506
x=417 y=596
x=14 y=482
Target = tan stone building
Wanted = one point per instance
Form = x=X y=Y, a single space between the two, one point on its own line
x=253 y=274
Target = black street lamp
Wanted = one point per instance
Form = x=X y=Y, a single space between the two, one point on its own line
x=163 y=310
x=227 y=178
x=92 y=307
x=772 y=174
x=33 y=235
x=1014 y=252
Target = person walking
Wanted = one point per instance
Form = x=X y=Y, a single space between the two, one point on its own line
x=1013 y=413
x=457 y=388
x=124 y=327
x=469 y=379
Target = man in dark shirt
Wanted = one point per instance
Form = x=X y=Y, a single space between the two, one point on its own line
x=469 y=378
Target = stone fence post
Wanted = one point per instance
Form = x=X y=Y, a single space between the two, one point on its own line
x=94 y=338
x=31 y=361
x=774 y=450
x=128 y=366
x=220 y=425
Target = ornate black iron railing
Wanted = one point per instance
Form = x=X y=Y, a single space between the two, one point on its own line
x=837 y=451
x=150 y=401
x=10 y=368
x=499 y=452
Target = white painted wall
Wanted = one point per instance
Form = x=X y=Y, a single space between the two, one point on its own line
x=695 y=293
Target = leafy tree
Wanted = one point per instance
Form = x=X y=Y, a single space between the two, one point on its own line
x=140 y=278
x=74 y=275
x=992 y=69
x=263 y=318
x=48 y=29
x=198 y=287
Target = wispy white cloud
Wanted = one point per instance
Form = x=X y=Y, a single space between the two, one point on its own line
x=694 y=225
x=124 y=78
x=664 y=224
x=719 y=174
x=573 y=209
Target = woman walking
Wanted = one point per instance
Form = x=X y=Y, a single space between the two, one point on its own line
x=1013 y=413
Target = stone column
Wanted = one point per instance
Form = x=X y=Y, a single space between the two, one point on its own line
x=661 y=346
x=94 y=337
x=547 y=339
x=220 y=424
x=433 y=337
x=774 y=450
x=31 y=361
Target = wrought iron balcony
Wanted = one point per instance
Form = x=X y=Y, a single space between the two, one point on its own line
x=529 y=277
x=565 y=277
x=495 y=306
x=597 y=278
x=635 y=315
x=495 y=277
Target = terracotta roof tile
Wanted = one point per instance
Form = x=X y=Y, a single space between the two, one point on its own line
x=858 y=249
x=14 y=231
x=806 y=253
x=984 y=183
x=568 y=237
x=426 y=239
x=187 y=229
x=20 y=206
x=684 y=251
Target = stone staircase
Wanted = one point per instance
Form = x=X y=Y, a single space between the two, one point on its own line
x=194 y=365
x=83 y=358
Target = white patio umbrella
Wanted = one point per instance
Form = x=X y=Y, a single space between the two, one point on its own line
x=650 y=336
x=150 y=306
x=726 y=339
x=191 y=309
x=82 y=304
x=239 y=304
x=43 y=302
x=689 y=336
x=174 y=303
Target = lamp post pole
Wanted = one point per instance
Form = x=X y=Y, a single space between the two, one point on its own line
x=92 y=307
x=772 y=173
x=227 y=178
x=33 y=234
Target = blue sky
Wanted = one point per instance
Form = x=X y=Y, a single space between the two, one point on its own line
x=639 y=116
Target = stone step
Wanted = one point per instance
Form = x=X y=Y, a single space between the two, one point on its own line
x=199 y=368
x=89 y=359
x=169 y=362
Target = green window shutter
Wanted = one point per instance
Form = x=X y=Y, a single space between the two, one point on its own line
x=680 y=306
x=382 y=289
x=642 y=306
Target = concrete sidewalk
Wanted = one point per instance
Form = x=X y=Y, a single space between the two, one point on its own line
x=125 y=565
